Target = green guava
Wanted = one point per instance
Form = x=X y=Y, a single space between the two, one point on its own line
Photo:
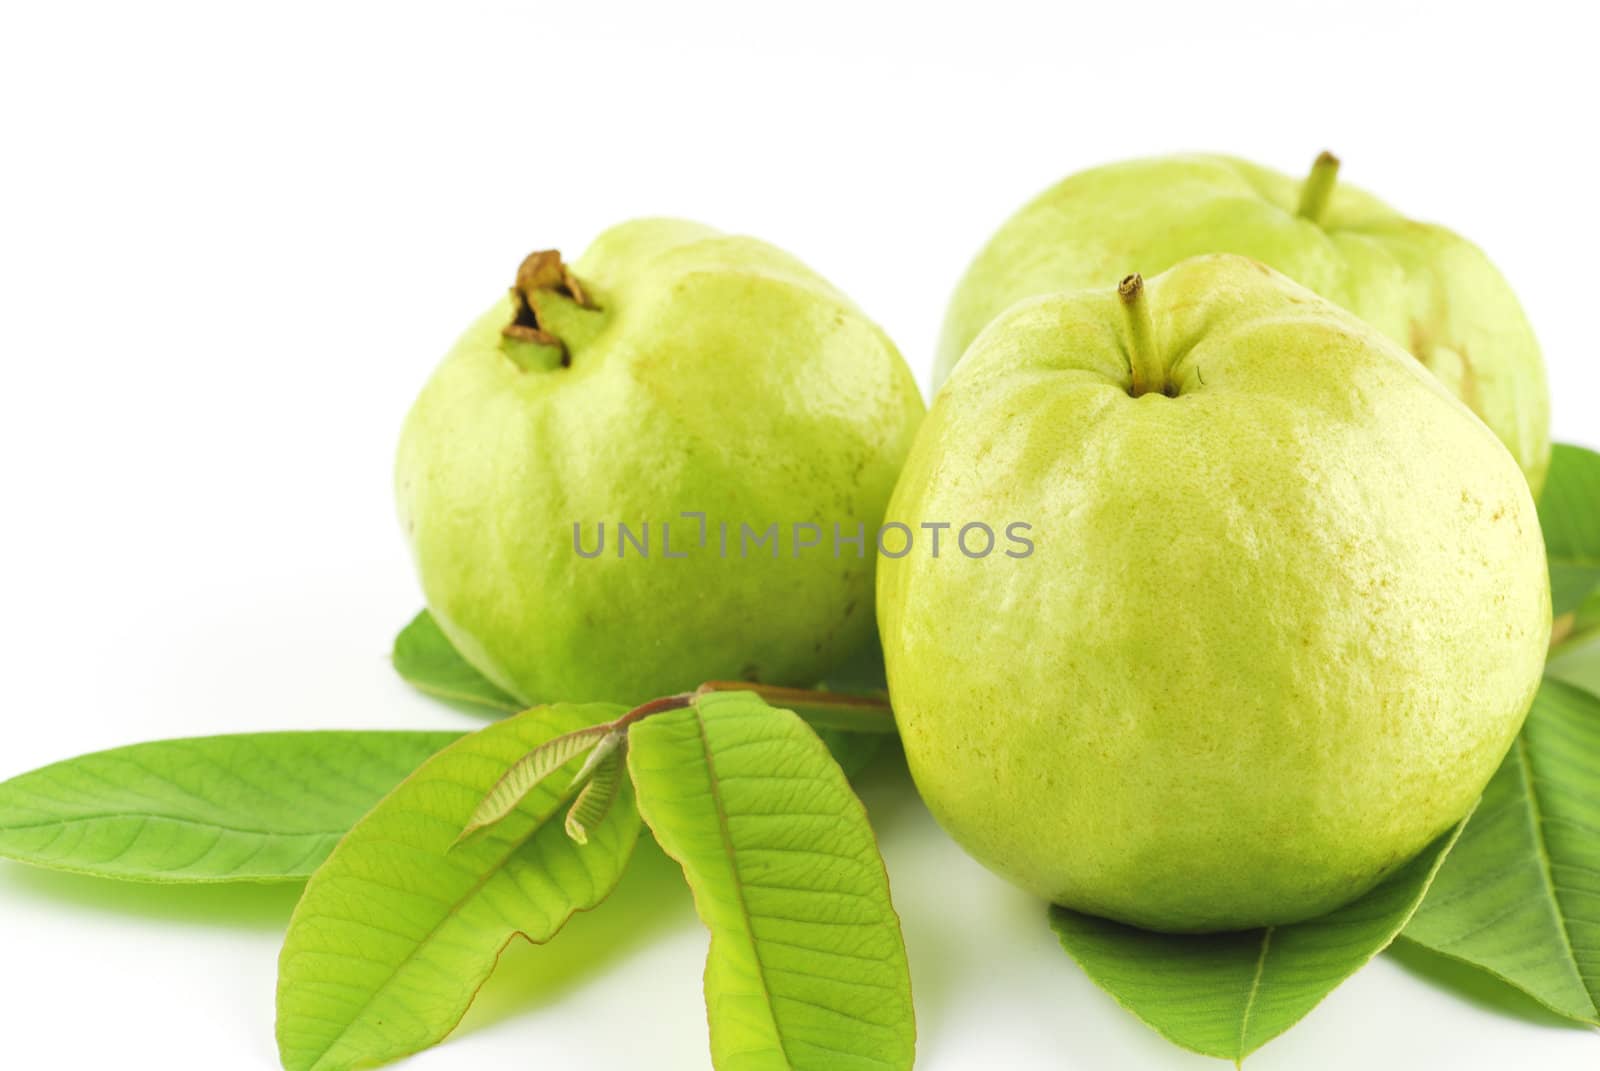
x=1286 y=610
x=1427 y=288
x=651 y=469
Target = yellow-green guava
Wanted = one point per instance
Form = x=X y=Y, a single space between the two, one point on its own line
x=674 y=376
x=1427 y=288
x=1285 y=612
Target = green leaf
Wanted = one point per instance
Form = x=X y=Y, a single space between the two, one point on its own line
x=807 y=968
x=594 y=802
x=1569 y=513
x=853 y=752
x=260 y=807
x=1520 y=895
x=398 y=929
x=529 y=772
x=425 y=658
x=863 y=673
x=1575 y=648
x=1577 y=662
x=1227 y=994
x=1586 y=618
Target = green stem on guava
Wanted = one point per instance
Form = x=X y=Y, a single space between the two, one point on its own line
x=551 y=308
x=1318 y=187
x=655 y=706
x=818 y=709
x=1148 y=374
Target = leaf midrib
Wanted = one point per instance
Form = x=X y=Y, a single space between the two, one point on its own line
x=147 y=816
x=1255 y=989
x=715 y=786
x=1546 y=867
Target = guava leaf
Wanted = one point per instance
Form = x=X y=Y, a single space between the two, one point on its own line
x=595 y=800
x=402 y=925
x=529 y=771
x=863 y=673
x=1569 y=513
x=1227 y=994
x=807 y=968
x=853 y=752
x=1575 y=648
x=257 y=807
x=1520 y=895
x=425 y=658
x=1577 y=662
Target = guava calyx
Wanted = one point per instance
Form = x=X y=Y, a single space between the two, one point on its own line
x=544 y=295
x=1318 y=187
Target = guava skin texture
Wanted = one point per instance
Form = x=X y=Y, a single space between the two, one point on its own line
x=1427 y=288
x=1285 y=614
x=700 y=372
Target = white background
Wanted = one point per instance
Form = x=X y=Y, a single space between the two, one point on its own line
x=235 y=238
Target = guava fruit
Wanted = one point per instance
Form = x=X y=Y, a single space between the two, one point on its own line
x=1286 y=610
x=717 y=414
x=1427 y=288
